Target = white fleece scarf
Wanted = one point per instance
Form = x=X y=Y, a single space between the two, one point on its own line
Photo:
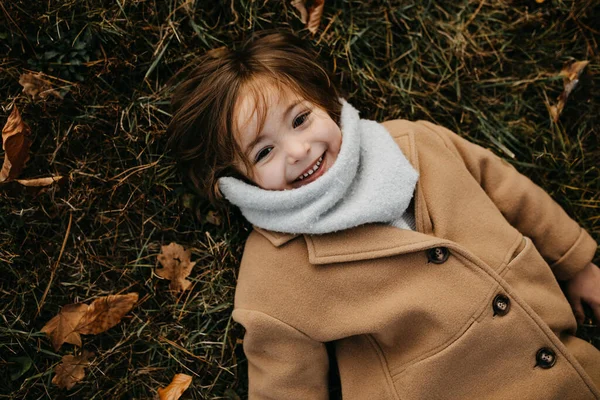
x=370 y=181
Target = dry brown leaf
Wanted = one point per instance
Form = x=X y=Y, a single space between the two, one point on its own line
x=37 y=87
x=301 y=7
x=16 y=143
x=177 y=266
x=105 y=312
x=315 y=12
x=570 y=76
x=214 y=218
x=178 y=385
x=38 y=182
x=311 y=16
x=71 y=370
x=63 y=327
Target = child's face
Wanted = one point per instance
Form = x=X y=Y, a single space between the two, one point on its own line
x=298 y=143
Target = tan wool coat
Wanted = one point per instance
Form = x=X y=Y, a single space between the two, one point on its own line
x=466 y=307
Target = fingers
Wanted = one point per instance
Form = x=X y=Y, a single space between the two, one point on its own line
x=596 y=310
x=578 y=309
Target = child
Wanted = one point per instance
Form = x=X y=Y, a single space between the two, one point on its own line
x=426 y=261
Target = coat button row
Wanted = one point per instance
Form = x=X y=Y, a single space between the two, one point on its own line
x=438 y=255
x=501 y=305
x=545 y=358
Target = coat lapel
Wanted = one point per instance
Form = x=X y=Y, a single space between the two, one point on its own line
x=370 y=240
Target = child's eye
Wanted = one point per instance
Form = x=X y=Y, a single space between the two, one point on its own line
x=299 y=120
x=263 y=153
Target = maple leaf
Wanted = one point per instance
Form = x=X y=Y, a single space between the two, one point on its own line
x=71 y=370
x=37 y=87
x=16 y=143
x=311 y=16
x=178 y=385
x=63 y=327
x=176 y=266
x=570 y=76
x=106 y=312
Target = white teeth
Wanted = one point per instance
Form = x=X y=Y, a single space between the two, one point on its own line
x=312 y=170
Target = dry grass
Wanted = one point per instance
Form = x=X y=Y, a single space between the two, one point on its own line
x=488 y=70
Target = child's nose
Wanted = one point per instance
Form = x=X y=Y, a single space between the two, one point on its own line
x=297 y=150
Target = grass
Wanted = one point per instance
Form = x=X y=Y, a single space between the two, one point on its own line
x=487 y=70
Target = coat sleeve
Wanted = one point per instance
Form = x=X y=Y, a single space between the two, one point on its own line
x=283 y=363
x=566 y=246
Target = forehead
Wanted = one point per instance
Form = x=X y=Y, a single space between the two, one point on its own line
x=258 y=101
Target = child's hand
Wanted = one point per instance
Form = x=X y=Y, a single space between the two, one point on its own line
x=585 y=286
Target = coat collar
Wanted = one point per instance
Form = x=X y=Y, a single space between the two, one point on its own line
x=370 y=240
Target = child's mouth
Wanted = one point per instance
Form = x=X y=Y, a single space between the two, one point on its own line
x=312 y=172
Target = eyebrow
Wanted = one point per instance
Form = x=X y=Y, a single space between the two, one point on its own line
x=259 y=135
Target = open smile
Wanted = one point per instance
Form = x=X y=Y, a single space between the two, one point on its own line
x=312 y=172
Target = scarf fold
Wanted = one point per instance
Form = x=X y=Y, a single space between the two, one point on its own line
x=370 y=181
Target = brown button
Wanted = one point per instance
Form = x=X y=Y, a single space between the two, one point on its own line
x=438 y=255
x=545 y=358
x=501 y=305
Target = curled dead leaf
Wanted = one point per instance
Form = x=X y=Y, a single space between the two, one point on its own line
x=16 y=144
x=39 y=182
x=570 y=76
x=315 y=12
x=37 y=87
x=177 y=266
x=311 y=17
x=178 y=385
x=75 y=319
x=71 y=370
x=301 y=7
x=214 y=218
x=105 y=312
x=62 y=328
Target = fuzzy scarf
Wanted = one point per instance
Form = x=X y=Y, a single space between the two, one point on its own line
x=370 y=181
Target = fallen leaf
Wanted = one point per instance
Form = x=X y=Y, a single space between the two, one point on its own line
x=16 y=143
x=19 y=366
x=71 y=370
x=63 y=327
x=570 y=76
x=75 y=319
x=106 y=312
x=301 y=7
x=177 y=266
x=39 y=181
x=178 y=385
x=311 y=17
x=213 y=217
x=315 y=12
x=37 y=87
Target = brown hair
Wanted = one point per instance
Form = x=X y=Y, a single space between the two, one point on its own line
x=202 y=131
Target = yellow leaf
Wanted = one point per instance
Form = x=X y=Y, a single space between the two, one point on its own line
x=177 y=266
x=71 y=370
x=178 y=385
x=105 y=312
x=16 y=143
